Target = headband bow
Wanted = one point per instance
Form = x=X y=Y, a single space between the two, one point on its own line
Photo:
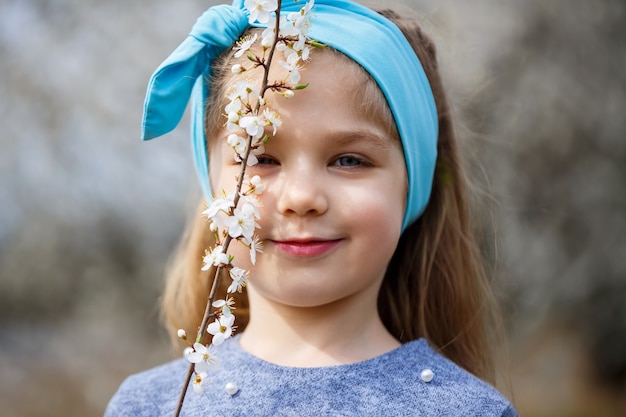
x=365 y=36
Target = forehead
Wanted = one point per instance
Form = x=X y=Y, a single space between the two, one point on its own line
x=333 y=82
x=327 y=66
x=327 y=61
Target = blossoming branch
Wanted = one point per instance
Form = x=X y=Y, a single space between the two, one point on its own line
x=251 y=122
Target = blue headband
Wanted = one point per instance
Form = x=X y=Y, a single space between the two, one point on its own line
x=365 y=36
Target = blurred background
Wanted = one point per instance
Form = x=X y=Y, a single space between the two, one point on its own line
x=89 y=214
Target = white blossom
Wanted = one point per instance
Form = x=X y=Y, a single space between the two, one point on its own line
x=260 y=10
x=255 y=245
x=215 y=258
x=229 y=302
x=222 y=328
x=269 y=33
x=234 y=106
x=242 y=222
x=256 y=185
x=239 y=145
x=223 y=203
x=240 y=279
x=245 y=91
x=301 y=20
x=254 y=126
x=294 y=71
x=244 y=44
x=203 y=357
x=272 y=118
x=198 y=381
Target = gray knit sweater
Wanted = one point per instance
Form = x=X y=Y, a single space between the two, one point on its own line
x=392 y=384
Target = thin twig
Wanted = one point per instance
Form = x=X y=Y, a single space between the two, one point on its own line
x=266 y=73
x=181 y=399
x=244 y=163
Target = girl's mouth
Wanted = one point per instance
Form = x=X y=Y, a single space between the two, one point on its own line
x=306 y=248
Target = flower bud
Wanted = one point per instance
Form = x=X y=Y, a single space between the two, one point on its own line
x=237 y=69
x=233 y=140
x=182 y=334
x=266 y=42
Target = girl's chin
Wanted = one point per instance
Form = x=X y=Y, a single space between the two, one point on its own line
x=302 y=292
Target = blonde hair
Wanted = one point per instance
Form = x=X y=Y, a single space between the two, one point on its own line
x=435 y=286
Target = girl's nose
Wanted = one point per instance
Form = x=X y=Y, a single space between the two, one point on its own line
x=301 y=193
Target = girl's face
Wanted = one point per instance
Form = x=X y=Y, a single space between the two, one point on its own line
x=335 y=195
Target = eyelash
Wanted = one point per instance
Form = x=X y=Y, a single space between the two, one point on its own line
x=266 y=160
x=351 y=158
x=360 y=162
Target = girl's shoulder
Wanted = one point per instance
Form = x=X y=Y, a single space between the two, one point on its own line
x=412 y=380
x=445 y=387
x=149 y=393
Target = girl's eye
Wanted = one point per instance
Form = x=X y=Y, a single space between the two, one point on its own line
x=348 y=161
x=266 y=160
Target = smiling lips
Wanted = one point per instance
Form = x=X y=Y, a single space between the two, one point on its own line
x=306 y=248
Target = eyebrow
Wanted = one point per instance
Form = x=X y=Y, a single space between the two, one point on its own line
x=346 y=137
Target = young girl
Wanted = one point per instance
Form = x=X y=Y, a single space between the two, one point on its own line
x=369 y=297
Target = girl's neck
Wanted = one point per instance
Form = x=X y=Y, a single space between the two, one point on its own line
x=338 y=333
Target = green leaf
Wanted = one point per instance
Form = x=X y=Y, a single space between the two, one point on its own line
x=317 y=44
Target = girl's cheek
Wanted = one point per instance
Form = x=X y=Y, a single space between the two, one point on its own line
x=222 y=167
